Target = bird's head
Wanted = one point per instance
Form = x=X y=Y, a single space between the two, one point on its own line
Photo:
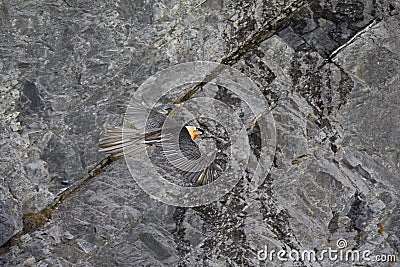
x=193 y=131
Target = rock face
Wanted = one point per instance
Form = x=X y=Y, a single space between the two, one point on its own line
x=330 y=71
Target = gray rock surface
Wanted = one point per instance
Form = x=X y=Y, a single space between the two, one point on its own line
x=329 y=69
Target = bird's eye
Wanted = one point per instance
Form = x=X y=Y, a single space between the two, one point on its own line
x=199 y=131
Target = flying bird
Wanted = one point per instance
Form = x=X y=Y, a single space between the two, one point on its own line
x=178 y=145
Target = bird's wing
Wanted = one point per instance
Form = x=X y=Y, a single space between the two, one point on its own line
x=145 y=118
x=190 y=160
x=155 y=120
x=207 y=176
x=183 y=153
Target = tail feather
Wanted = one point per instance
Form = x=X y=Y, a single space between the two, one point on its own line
x=117 y=139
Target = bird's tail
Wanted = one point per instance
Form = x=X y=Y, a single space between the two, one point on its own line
x=118 y=140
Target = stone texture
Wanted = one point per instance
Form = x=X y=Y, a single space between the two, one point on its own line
x=329 y=69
